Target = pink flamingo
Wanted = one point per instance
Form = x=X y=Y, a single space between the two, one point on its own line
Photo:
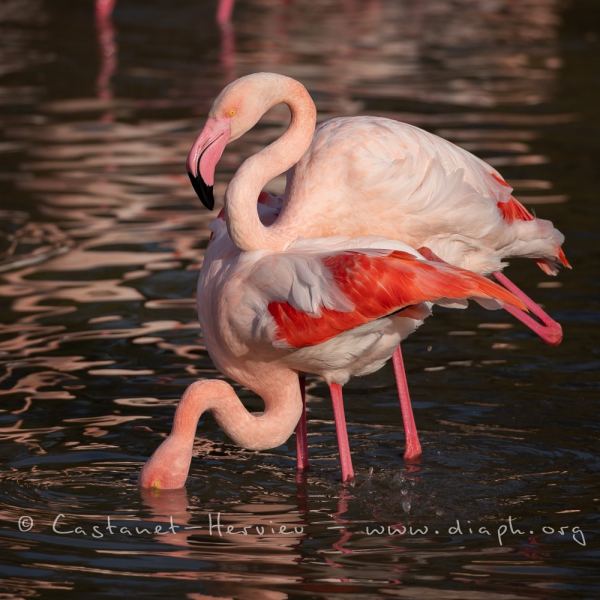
x=370 y=175
x=336 y=307
x=366 y=175
x=358 y=176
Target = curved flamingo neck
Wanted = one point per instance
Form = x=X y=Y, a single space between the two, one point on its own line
x=243 y=223
x=283 y=406
x=169 y=466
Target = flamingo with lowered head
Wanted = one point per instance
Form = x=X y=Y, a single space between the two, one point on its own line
x=336 y=307
x=361 y=176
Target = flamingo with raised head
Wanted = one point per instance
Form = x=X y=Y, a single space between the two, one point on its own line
x=335 y=307
x=359 y=176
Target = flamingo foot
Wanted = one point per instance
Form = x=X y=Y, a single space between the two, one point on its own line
x=342 y=432
x=301 y=432
x=549 y=330
x=413 y=445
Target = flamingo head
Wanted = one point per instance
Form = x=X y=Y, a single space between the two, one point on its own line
x=168 y=467
x=235 y=110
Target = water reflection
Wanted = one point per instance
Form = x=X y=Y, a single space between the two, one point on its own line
x=100 y=241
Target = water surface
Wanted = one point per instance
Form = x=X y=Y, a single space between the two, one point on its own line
x=101 y=238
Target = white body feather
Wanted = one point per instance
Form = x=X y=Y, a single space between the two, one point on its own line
x=234 y=289
x=391 y=179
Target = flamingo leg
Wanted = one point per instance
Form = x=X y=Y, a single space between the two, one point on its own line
x=301 y=434
x=341 y=430
x=224 y=10
x=413 y=446
x=549 y=330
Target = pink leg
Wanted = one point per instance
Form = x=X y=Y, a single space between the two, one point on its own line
x=413 y=446
x=224 y=11
x=549 y=330
x=301 y=436
x=341 y=430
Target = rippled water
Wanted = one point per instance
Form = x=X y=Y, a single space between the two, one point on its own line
x=100 y=241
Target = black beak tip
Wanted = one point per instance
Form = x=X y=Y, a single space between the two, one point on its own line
x=205 y=192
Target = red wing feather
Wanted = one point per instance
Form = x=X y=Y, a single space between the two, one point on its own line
x=513 y=210
x=379 y=286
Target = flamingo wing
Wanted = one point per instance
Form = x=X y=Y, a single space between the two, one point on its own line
x=422 y=189
x=303 y=299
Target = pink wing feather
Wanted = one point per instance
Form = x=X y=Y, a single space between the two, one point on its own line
x=378 y=286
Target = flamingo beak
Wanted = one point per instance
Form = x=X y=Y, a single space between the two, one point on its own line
x=203 y=158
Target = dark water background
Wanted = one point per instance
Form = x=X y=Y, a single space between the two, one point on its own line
x=100 y=241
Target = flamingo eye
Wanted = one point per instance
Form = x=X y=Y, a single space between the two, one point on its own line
x=231 y=112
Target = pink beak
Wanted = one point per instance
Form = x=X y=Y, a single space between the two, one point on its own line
x=204 y=156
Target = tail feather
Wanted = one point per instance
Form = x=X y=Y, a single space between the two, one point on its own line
x=513 y=210
x=563 y=258
x=550 y=267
